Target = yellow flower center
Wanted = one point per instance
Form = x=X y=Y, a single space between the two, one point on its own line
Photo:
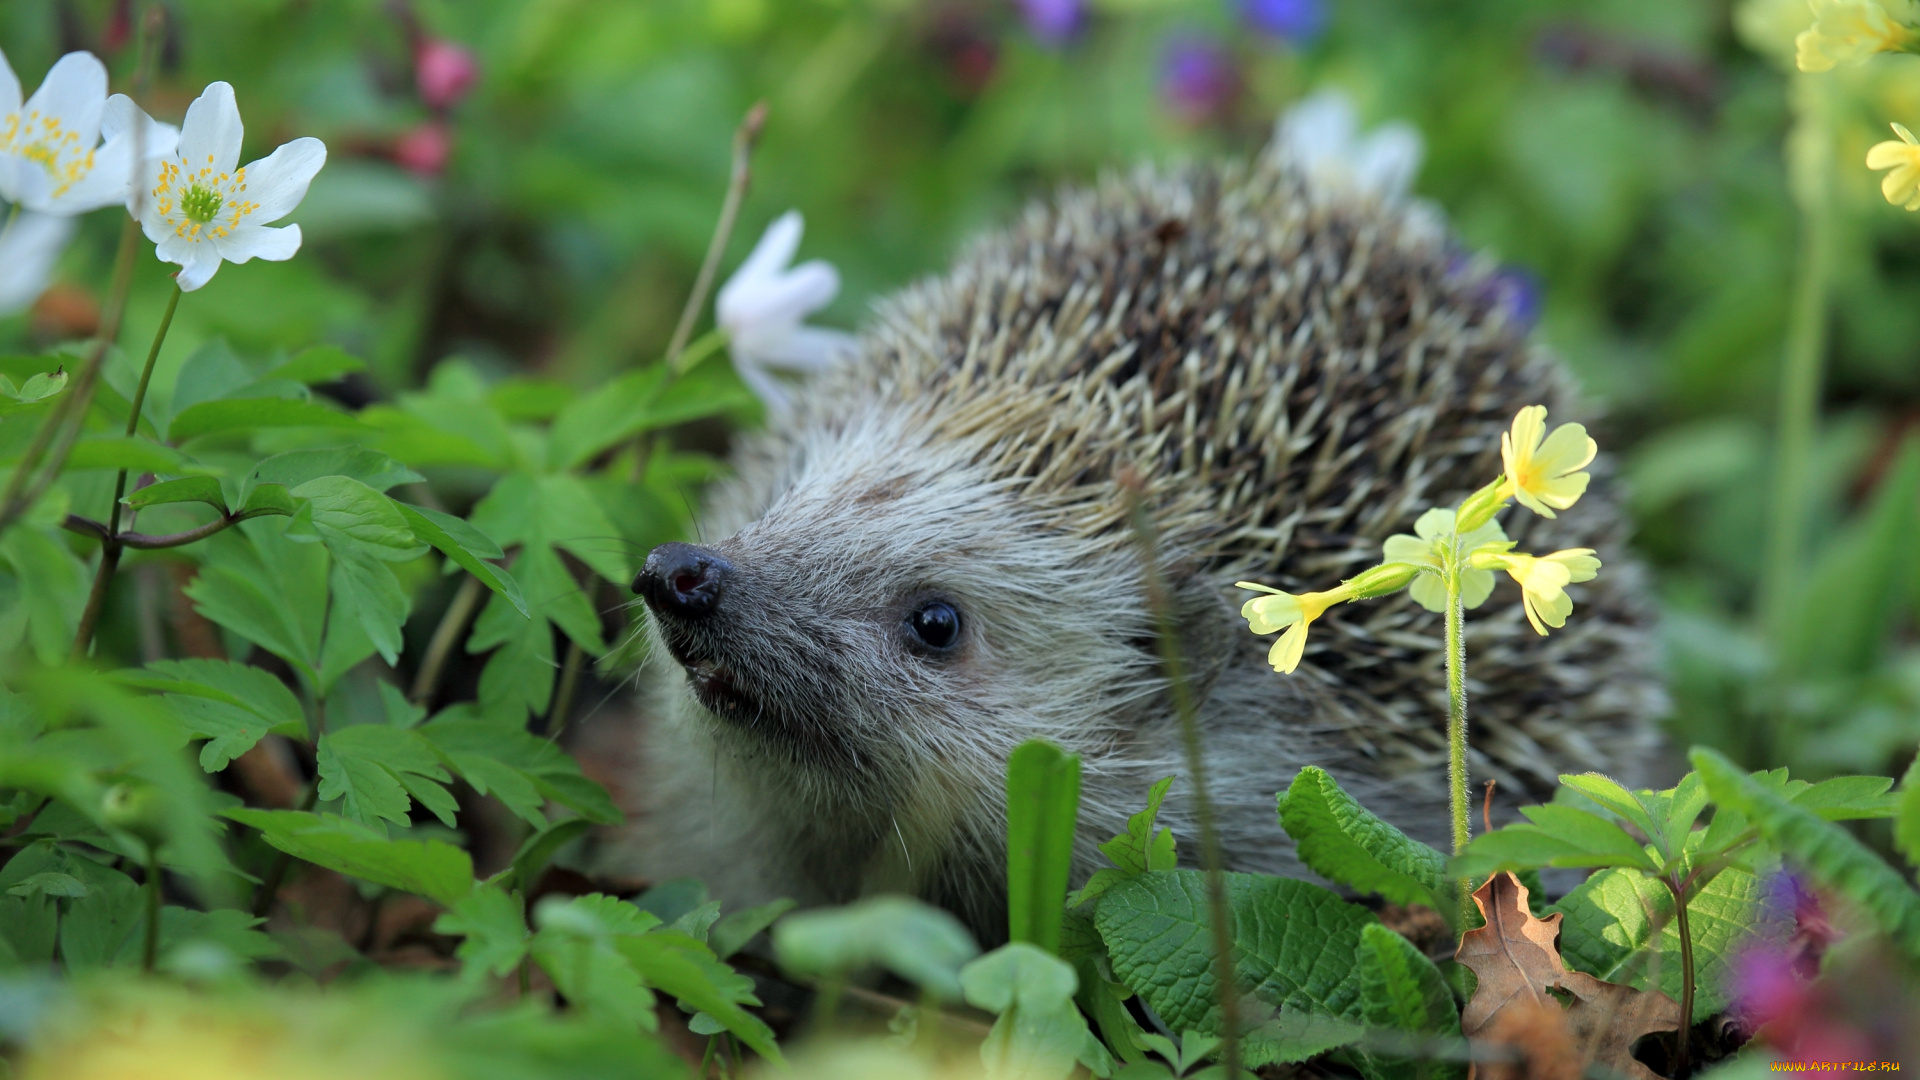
x=49 y=143
x=202 y=203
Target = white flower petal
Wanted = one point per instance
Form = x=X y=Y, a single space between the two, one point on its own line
x=106 y=184
x=173 y=248
x=769 y=389
x=198 y=268
x=9 y=88
x=120 y=118
x=75 y=93
x=802 y=348
x=250 y=241
x=1386 y=161
x=279 y=181
x=768 y=256
x=210 y=137
x=784 y=300
x=17 y=175
x=1318 y=129
x=28 y=249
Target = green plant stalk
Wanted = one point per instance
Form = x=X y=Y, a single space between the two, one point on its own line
x=150 y=948
x=23 y=489
x=1457 y=732
x=1680 y=890
x=1210 y=858
x=445 y=636
x=111 y=547
x=1809 y=161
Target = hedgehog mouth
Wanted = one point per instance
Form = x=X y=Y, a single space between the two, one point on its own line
x=714 y=688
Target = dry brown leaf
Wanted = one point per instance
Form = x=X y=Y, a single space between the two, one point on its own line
x=1548 y=1050
x=1517 y=960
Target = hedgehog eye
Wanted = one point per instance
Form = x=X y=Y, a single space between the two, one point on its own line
x=935 y=624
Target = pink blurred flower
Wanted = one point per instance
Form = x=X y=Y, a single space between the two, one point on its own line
x=444 y=70
x=424 y=149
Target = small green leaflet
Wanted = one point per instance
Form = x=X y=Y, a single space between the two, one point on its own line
x=1341 y=841
x=374 y=768
x=431 y=868
x=1137 y=851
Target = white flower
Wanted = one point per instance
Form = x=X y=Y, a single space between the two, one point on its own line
x=28 y=247
x=1320 y=136
x=51 y=157
x=199 y=209
x=761 y=305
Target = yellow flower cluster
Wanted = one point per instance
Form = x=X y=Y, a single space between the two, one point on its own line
x=1849 y=33
x=1453 y=554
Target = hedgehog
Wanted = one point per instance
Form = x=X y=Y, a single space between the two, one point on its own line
x=927 y=560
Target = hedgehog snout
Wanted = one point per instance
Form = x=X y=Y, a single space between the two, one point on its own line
x=682 y=580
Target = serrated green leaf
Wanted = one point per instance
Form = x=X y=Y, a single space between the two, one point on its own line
x=243 y=685
x=731 y=934
x=49 y=883
x=343 y=507
x=493 y=930
x=1515 y=847
x=230 y=730
x=52 y=586
x=687 y=969
x=1043 y=804
x=365 y=590
x=1341 y=841
x=435 y=870
x=575 y=947
x=1294 y=943
x=1600 y=842
x=203 y=489
x=1401 y=990
x=269 y=590
x=597 y=420
x=1134 y=852
x=1848 y=798
x=1825 y=850
x=466 y=546
x=518 y=677
x=919 y=943
x=373 y=768
x=1614 y=796
x=1609 y=924
x=1294 y=1035
x=243 y=414
x=516 y=766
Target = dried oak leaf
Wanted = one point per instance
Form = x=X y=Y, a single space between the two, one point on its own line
x=1517 y=961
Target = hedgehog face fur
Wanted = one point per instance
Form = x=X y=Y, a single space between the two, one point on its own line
x=1293 y=373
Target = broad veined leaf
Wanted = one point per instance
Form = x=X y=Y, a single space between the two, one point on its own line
x=1401 y=990
x=435 y=870
x=266 y=499
x=343 y=507
x=466 y=546
x=1341 y=841
x=1906 y=825
x=296 y=467
x=231 y=705
x=731 y=933
x=269 y=590
x=129 y=452
x=1294 y=944
x=1825 y=850
x=575 y=947
x=318 y=364
x=241 y=414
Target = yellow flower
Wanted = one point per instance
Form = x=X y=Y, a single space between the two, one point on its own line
x=1543 y=471
x=1902 y=185
x=1429 y=549
x=1278 y=610
x=1543 y=580
x=1851 y=31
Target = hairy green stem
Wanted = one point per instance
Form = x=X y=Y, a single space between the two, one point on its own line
x=111 y=547
x=1679 y=891
x=1457 y=713
x=1184 y=708
x=1809 y=161
x=150 y=949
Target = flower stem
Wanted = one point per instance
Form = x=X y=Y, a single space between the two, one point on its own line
x=1809 y=157
x=744 y=137
x=111 y=547
x=1686 y=977
x=1457 y=732
x=445 y=636
x=1184 y=708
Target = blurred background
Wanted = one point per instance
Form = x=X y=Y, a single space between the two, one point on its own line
x=529 y=185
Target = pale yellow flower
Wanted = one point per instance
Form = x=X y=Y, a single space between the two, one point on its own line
x=1278 y=610
x=1429 y=549
x=1902 y=185
x=1543 y=580
x=1851 y=31
x=1544 y=471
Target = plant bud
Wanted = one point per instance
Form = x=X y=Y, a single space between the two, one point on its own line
x=1479 y=507
x=1382 y=580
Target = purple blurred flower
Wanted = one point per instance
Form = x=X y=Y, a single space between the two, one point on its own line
x=1518 y=290
x=1198 y=78
x=1297 y=21
x=1053 y=22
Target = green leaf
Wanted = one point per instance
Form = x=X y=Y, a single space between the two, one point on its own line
x=688 y=970
x=457 y=541
x=269 y=590
x=1043 y=805
x=575 y=947
x=1135 y=852
x=1847 y=798
x=129 y=452
x=1294 y=944
x=1611 y=794
x=489 y=753
x=438 y=871
x=1851 y=595
x=243 y=414
x=49 y=883
x=1401 y=990
x=1825 y=850
x=52 y=586
x=493 y=928
x=1294 y=1035
x=370 y=467
x=595 y=421
x=518 y=678
x=1556 y=835
x=1906 y=825
x=1515 y=847
x=346 y=508
x=919 y=943
x=732 y=933
x=37 y=387
x=1609 y=926
x=186 y=489
x=267 y=499
x=319 y=364
x=539 y=849
x=1341 y=841
x=255 y=689
x=365 y=590
x=1038 y=1032
x=374 y=767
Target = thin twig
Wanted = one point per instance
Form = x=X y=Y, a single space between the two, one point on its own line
x=427 y=680
x=744 y=137
x=1183 y=704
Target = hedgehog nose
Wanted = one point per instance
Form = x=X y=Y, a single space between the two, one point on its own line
x=682 y=580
